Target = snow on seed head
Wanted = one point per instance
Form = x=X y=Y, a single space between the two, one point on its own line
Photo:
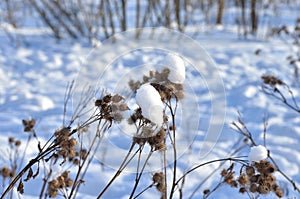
x=258 y=153
x=150 y=102
x=177 y=68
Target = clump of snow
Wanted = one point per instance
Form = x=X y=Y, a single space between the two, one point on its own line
x=177 y=68
x=148 y=98
x=258 y=153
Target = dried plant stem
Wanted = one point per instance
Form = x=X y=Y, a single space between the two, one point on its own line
x=45 y=180
x=137 y=180
x=148 y=187
x=27 y=167
x=272 y=90
x=165 y=170
x=214 y=171
x=123 y=165
x=234 y=159
x=283 y=174
x=81 y=166
x=173 y=112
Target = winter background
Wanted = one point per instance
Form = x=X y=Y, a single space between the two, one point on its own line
x=35 y=68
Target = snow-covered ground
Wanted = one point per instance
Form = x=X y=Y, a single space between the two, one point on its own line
x=33 y=80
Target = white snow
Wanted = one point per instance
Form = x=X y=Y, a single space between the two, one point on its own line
x=176 y=66
x=33 y=81
x=148 y=98
x=258 y=153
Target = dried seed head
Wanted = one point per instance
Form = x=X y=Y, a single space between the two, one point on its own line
x=243 y=179
x=158 y=177
x=72 y=142
x=224 y=172
x=160 y=146
x=107 y=98
x=123 y=107
x=18 y=143
x=11 y=139
x=253 y=188
x=250 y=171
x=233 y=183
x=263 y=189
x=179 y=95
x=54 y=184
x=271 y=80
x=69 y=182
x=161 y=187
x=98 y=102
x=5 y=172
x=116 y=98
x=242 y=190
x=279 y=193
x=255 y=178
x=206 y=191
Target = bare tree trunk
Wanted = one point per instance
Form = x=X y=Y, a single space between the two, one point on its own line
x=244 y=23
x=254 y=18
x=220 y=12
x=59 y=19
x=124 y=15
x=103 y=18
x=177 y=14
x=46 y=19
x=167 y=14
x=138 y=13
x=10 y=13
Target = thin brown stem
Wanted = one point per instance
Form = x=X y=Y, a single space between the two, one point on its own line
x=121 y=168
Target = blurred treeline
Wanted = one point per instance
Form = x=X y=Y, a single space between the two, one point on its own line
x=102 y=18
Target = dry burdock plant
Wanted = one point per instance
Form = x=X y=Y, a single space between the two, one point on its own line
x=65 y=147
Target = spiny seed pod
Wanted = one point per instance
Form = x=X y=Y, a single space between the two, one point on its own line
x=5 y=172
x=242 y=190
x=161 y=187
x=243 y=179
x=69 y=182
x=250 y=171
x=11 y=139
x=160 y=146
x=66 y=174
x=274 y=187
x=18 y=143
x=270 y=178
x=224 y=172
x=123 y=107
x=98 y=102
x=255 y=178
x=54 y=184
x=263 y=189
x=253 y=188
x=107 y=98
x=116 y=98
x=279 y=193
x=158 y=177
x=179 y=94
x=72 y=142
x=233 y=183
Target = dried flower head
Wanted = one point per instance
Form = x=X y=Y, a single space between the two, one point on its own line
x=28 y=125
x=243 y=179
x=271 y=80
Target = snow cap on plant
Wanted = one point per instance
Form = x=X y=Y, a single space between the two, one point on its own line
x=150 y=102
x=258 y=153
x=177 y=68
